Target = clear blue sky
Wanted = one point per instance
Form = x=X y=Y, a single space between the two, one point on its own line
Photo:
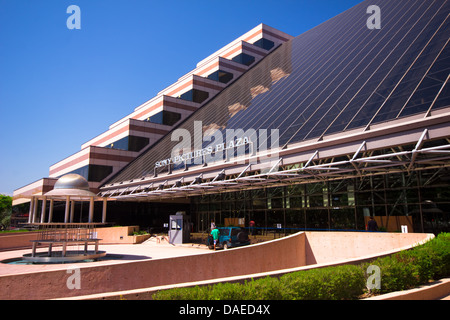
x=59 y=88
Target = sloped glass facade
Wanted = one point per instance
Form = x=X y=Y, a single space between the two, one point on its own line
x=339 y=77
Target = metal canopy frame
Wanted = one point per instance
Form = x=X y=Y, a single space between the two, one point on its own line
x=359 y=164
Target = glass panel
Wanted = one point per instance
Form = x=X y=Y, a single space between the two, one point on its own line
x=342 y=219
x=264 y=43
x=295 y=220
x=443 y=98
x=130 y=143
x=94 y=172
x=137 y=143
x=317 y=219
x=83 y=171
x=244 y=58
x=165 y=117
x=97 y=172
x=121 y=144
x=221 y=76
x=195 y=95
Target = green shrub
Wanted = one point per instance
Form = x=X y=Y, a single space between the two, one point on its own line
x=434 y=256
x=410 y=268
x=396 y=274
x=332 y=283
x=187 y=293
x=267 y=288
x=226 y=291
x=139 y=233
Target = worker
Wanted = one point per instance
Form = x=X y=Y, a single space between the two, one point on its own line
x=215 y=234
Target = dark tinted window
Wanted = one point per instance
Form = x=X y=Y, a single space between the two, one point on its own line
x=195 y=95
x=137 y=143
x=165 y=117
x=244 y=58
x=93 y=172
x=264 y=43
x=221 y=76
x=129 y=143
x=121 y=144
x=97 y=173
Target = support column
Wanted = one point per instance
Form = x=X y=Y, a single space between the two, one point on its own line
x=50 y=246
x=44 y=209
x=91 y=209
x=419 y=194
x=72 y=210
x=35 y=207
x=50 y=212
x=105 y=203
x=30 y=212
x=66 y=214
x=33 y=249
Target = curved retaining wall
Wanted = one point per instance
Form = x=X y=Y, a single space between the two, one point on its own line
x=291 y=252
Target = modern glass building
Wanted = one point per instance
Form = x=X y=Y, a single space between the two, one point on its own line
x=345 y=121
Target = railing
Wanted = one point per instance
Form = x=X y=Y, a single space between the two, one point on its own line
x=65 y=234
x=62 y=232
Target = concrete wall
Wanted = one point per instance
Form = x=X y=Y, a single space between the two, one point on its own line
x=19 y=240
x=120 y=235
x=330 y=247
x=113 y=235
x=437 y=290
x=285 y=253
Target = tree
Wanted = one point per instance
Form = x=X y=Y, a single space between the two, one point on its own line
x=5 y=211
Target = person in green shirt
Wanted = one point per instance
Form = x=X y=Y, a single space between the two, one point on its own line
x=215 y=234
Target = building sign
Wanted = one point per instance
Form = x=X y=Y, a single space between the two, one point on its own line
x=239 y=142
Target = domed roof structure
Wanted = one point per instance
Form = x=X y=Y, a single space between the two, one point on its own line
x=72 y=185
x=72 y=181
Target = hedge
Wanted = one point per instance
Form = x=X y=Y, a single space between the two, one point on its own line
x=410 y=268
x=400 y=271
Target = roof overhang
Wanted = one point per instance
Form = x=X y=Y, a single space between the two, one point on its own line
x=374 y=151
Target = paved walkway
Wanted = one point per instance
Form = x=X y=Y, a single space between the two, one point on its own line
x=120 y=253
